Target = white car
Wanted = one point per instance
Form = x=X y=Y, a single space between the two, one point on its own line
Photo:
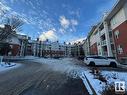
x=100 y=60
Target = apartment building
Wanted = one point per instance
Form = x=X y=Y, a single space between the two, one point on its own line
x=23 y=44
x=93 y=41
x=109 y=37
x=53 y=49
x=86 y=47
x=56 y=49
x=67 y=49
x=77 y=49
x=117 y=20
x=48 y=49
x=99 y=41
x=9 y=42
x=105 y=40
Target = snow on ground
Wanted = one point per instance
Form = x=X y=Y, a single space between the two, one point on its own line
x=115 y=76
x=68 y=66
x=63 y=65
x=5 y=67
x=94 y=82
x=21 y=57
x=111 y=78
x=30 y=57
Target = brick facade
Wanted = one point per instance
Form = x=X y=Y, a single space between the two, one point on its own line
x=93 y=49
x=121 y=39
x=15 y=50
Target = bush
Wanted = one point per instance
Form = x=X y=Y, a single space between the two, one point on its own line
x=97 y=75
x=108 y=90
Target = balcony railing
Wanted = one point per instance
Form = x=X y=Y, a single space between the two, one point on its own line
x=102 y=31
x=103 y=43
x=105 y=53
x=111 y=40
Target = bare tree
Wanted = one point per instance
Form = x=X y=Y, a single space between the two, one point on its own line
x=15 y=22
x=3 y=10
x=12 y=25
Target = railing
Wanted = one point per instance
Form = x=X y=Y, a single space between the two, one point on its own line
x=105 y=53
x=111 y=40
x=103 y=43
x=102 y=31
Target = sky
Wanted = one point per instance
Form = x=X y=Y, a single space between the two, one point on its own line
x=62 y=20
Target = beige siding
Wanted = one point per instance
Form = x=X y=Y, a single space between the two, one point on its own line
x=118 y=19
x=125 y=10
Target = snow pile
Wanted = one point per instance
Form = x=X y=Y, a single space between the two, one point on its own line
x=5 y=67
x=96 y=84
x=111 y=78
x=115 y=76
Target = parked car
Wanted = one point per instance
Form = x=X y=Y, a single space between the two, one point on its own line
x=111 y=58
x=100 y=60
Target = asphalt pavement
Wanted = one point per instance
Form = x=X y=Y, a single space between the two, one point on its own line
x=37 y=79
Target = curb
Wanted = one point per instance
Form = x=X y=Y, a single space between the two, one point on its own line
x=122 y=66
x=88 y=85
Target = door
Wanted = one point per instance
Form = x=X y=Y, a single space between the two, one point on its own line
x=103 y=61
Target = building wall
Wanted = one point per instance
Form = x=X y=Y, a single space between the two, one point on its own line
x=119 y=28
x=93 y=38
x=13 y=40
x=125 y=10
x=15 y=49
x=94 y=41
x=99 y=47
x=51 y=49
x=118 y=19
x=93 y=49
x=121 y=39
x=86 y=47
x=29 y=50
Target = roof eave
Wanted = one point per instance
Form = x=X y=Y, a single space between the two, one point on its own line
x=115 y=9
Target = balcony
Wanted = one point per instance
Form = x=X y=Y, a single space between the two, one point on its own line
x=103 y=43
x=102 y=32
x=111 y=40
x=105 y=53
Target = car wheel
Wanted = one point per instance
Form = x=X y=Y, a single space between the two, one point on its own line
x=113 y=64
x=91 y=64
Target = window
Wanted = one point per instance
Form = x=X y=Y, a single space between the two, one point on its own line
x=98 y=43
x=117 y=34
x=120 y=49
x=114 y=21
x=99 y=51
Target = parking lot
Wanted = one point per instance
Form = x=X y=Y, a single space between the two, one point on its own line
x=52 y=77
x=34 y=78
